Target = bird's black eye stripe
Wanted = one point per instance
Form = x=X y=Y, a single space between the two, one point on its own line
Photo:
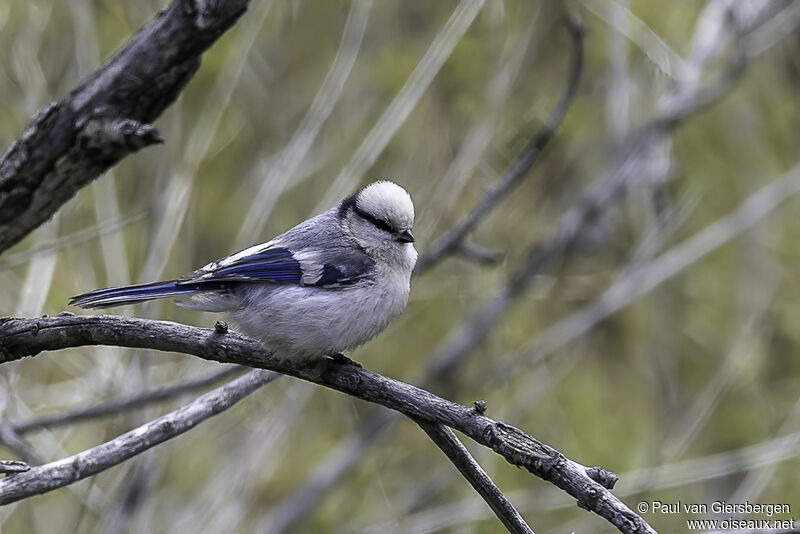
x=381 y=225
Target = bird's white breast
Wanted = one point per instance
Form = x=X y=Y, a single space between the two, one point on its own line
x=305 y=322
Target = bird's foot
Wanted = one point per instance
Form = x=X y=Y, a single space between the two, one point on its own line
x=341 y=359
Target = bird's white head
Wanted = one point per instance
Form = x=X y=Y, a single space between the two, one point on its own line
x=380 y=217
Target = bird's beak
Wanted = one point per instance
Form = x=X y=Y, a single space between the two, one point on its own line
x=405 y=236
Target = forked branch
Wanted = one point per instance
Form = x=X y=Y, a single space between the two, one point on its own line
x=589 y=486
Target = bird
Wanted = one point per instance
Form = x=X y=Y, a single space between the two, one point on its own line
x=320 y=289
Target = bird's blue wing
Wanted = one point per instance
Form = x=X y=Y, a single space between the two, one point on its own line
x=271 y=265
x=277 y=264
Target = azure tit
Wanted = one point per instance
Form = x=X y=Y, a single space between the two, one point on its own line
x=326 y=286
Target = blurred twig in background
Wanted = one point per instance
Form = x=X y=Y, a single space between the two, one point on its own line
x=403 y=103
x=281 y=172
x=453 y=242
x=119 y=405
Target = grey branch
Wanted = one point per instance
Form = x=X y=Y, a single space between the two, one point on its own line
x=444 y=438
x=70 y=143
x=453 y=241
x=28 y=337
x=119 y=405
x=11 y=466
x=60 y=473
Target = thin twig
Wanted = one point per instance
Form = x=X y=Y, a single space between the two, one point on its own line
x=644 y=279
x=11 y=466
x=105 y=227
x=670 y=475
x=60 y=473
x=756 y=480
x=516 y=171
x=667 y=60
x=444 y=438
x=589 y=486
x=119 y=405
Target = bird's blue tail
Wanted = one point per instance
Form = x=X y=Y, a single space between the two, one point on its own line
x=113 y=296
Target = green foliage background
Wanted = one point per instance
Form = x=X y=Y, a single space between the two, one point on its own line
x=704 y=364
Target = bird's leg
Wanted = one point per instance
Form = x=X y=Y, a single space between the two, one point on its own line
x=341 y=359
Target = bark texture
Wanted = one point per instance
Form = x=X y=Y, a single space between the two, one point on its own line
x=70 y=143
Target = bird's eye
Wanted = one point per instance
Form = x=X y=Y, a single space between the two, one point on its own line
x=377 y=223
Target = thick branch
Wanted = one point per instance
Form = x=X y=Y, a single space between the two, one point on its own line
x=60 y=473
x=27 y=337
x=444 y=438
x=70 y=143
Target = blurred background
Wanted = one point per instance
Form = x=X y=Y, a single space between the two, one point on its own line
x=661 y=344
